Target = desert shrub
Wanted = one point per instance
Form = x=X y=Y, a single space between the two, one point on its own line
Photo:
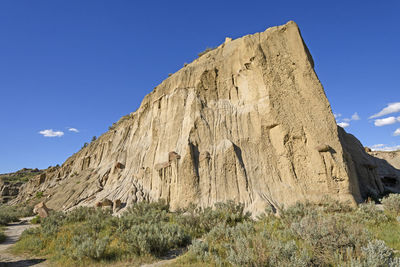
x=7 y=214
x=376 y=253
x=90 y=247
x=392 y=203
x=155 y=239
x=51 y=224
x=13 y=213
x=287 y=254
x=81 y=214
x=333 y=205
x=143 y=213
x=225 y=244
x=369 y=214
x=328 y=233
x=39 y=194
x=298 y=211
x=324 y=234
x=243 y=245
x=198 y=221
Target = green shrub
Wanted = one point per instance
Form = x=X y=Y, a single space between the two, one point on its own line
x=225 y=244
x=391 y=203
x=13 y=213
x=324 y=234
x=155 y=239
x=7 y=215
x=144 y=212
x=50 y=225
x=198 y=221
x=87 y=246
x=39 y=194
x=376 y=253
x=369 y=214
x=36 y=220
x=327 y=233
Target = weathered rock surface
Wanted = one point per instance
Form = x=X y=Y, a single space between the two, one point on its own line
x=41 y=210
x=377 y=176
x=10 y=183
x=248 y=121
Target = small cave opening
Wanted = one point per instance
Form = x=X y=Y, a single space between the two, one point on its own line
x=389 y=181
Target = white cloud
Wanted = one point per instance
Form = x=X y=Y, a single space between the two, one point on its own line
x=73 y=130
x=385 y=121
x=377 y=146
x=355 y=117
x=382 y=147
x=391 y=108
x=397 y=132
x=337 y=115
x=343 y=124
x=51 y=133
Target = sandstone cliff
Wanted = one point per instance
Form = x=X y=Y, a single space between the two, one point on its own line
x=248 y=121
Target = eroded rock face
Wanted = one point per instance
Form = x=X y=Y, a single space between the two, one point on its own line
x=10 y=183
x=248 y=121
x=41 y=210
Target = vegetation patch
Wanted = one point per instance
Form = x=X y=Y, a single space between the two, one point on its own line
x=13 y=213
x=21 y=176
x=326 y=234
x=145 y=232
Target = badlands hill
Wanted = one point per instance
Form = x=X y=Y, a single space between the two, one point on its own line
x=248 y=121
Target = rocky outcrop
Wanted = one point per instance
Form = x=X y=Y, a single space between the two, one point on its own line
x=41 y=210
x=10 y=183
x=377 y=176
x=248 y=121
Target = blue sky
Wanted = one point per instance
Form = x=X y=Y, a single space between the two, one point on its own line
x=85 y=63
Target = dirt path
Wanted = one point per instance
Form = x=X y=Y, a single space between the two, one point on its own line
x=13 y=231
x=169 y=259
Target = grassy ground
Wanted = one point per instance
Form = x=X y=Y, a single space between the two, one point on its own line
x=21 y=176
x=327 y=234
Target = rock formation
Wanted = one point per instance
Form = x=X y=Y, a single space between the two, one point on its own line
x=41 y=210
x=247 y=121
x=10 y=183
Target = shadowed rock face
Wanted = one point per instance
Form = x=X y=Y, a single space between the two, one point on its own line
x=248 y=121
x=377 y=171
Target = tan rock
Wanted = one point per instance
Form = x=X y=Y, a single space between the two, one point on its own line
x=323 y=148
x=117 y=204
x=247 y=120
x=119 y=165
x=106 y=203
x=41 y=210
